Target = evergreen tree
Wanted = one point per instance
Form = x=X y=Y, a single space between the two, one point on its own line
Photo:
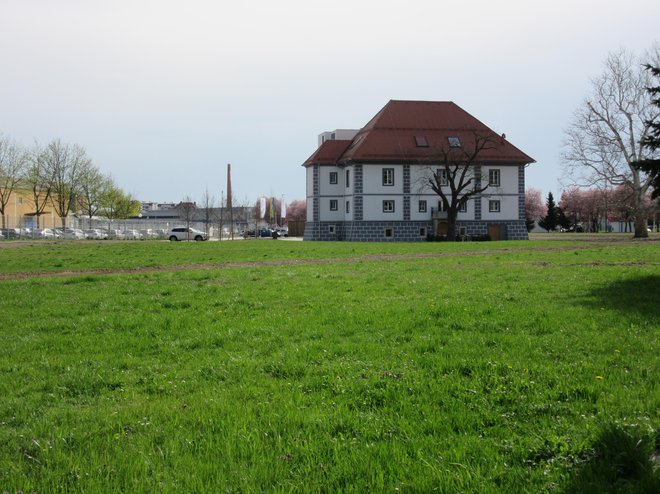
x=562 y=219
x=652 y=139
x=551 y=219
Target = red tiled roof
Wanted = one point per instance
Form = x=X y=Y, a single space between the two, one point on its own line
x=390 y=136
x=328 y=153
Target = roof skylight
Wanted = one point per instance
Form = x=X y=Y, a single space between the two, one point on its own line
x=454 y=142
x=421 y=142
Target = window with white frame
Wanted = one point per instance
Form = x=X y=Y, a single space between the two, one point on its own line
x=494 y=206
x=422 y=206
x=334 y=176
x=422 y=231
x=331 y=228
x=334 y=205
x=388 y=206
x=348 y=178
x=348 y=207
x=441 y=177
x=494 y=177
x=461 y=208
x=388 y=176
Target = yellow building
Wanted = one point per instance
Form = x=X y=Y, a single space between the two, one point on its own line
x=20 y=212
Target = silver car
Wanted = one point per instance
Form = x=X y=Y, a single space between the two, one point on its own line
x=95 y=234
x=74 y=233
x=132 y=235
x=183 y=233
x=43 y=233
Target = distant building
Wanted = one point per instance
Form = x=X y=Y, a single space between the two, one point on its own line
x=368 y=184
x=20 y=212
x=337 y=135
x=147 y=206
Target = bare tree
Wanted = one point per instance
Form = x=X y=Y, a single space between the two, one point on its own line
x=65 y=163
x=220 y=217
x=12 y=170
x=456 y=177
x=186 y=209
x=39 y=180
x=208 y=210
x=604 y=138
x=229 y=211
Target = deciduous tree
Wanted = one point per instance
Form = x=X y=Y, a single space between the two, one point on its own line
x=296 y=210
x=457 y=179
x=117 y=205
x=186 y=209
x=208 y=210
x=65 y=164
x=605 y=136
x=534 y=209
x=12 y=170
x=39 y=180
x=93 y=186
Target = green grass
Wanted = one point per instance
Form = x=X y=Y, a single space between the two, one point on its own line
x=47 y=256
x=522 y=367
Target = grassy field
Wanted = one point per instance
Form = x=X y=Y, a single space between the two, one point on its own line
x=282 y=366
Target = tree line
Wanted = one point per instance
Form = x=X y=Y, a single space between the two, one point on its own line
x=586 y=209
x=62 y=176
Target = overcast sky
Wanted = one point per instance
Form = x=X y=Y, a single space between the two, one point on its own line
x=163 y=94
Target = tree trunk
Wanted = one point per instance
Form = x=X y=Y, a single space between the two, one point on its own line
x=640 y=226
x=640 y=213
x=451 y=224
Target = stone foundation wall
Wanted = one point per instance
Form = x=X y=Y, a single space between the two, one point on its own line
x=402 y=231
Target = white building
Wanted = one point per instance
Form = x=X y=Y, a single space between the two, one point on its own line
x=371 y=184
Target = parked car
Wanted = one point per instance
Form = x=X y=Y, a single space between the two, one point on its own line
x=43 y=233
x=8 y=233
x=282 y=232
x=74 y=233
x=183 y=233
x=132 y=235
x=95 y=234
x=22 y=232
x=148 y=234
x=116 y=234
x=266 y=232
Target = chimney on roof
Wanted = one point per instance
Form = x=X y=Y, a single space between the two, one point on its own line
x=503 y=136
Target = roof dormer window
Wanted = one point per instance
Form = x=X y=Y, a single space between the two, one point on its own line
x=421 y=142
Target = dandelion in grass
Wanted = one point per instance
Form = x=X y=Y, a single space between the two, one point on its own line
x=600 y=378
